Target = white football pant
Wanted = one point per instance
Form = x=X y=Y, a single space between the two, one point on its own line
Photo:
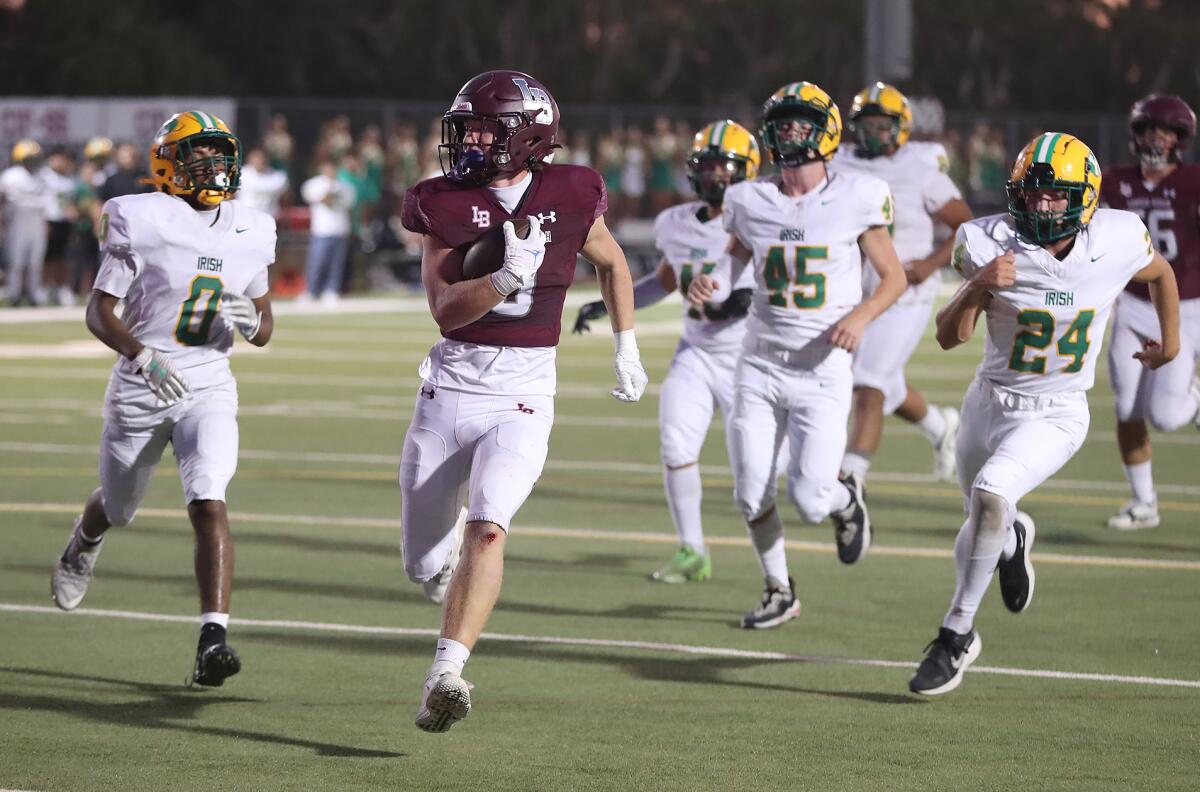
x=888 y=343
x=1163 y=396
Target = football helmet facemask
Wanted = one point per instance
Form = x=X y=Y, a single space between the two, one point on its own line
x=178 y=167
x=1167 y=112
x=1054 y=161
x=723 y=153
x=800 y=123
x=884 y=100
x=500 y=123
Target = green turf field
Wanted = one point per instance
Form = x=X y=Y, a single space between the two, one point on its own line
x=592 y=677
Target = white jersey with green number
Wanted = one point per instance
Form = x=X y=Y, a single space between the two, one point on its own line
x=171 y=264
x=917 y=175
x=1044 y=333
x=691 y=247
x=806 y=259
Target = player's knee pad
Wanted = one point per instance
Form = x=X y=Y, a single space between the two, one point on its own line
x=810 y=501
x=423 y=567
x=1165 y=416
x=753 y=506
x=118 y=514
x=991 y=512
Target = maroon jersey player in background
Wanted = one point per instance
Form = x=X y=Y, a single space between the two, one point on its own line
x=1165 y=193
x=483 y=413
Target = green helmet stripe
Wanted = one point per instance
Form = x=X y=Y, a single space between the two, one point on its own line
x=198 y=118
x=874 y=97
x=718 y=132
x=1045 y=148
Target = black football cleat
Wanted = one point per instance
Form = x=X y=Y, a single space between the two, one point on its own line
x=214 y=664
x=1016 y=574
x=852 y=525
x=946 y=658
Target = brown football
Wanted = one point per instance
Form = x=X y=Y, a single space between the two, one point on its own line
x=486 y=254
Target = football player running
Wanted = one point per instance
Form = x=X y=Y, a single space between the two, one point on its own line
x=881 y=120
x=692 y=239
x=483 y=412
x=805 y=230
x=1165 y=193
x=191 y=266
x=1046 y=273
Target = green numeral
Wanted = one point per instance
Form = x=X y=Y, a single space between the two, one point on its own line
x=189 y=330
x=811 y=293
x=685 y=280
x=1074 y=343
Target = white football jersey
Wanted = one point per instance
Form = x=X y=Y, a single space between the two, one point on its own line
x=691 y=248
x=917 y=174
x=1044 y=333
x=171 y=267
x=806 y=259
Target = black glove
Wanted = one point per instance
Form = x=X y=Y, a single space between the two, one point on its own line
x=735 y=307
x=587 y=313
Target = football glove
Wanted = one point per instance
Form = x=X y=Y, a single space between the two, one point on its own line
x=160 y=374
x=240 y=312
x=589 y=312
x=631 y=377
x=522 y=257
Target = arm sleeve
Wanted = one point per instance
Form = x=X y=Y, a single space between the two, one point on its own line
x=961 y=259
x=120 y=263
x=1140 y=246
x=879 y=208
x=939 y=191
x=601 y=196
x=260 y=284
x=412 y=216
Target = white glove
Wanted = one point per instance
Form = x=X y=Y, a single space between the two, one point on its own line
x=162 y=377
x=522 y=257
x=240 y=312
x=631 y=377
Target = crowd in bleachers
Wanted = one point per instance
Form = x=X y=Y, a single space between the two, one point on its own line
x=338 y=203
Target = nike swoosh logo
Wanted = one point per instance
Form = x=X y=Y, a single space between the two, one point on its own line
x=1102 y=255
x=240 y=230
x=956 y=662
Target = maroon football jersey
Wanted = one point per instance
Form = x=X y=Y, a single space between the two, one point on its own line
x=566 y=198
x=1171 y=212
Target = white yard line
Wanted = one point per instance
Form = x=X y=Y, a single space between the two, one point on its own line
x=554 y=532
x=598 y=466
x=600 y=643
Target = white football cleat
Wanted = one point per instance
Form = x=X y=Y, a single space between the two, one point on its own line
x=1134 y=516
x=435 y=587
x=73 y=571
x=446 y=701
x=944 y=466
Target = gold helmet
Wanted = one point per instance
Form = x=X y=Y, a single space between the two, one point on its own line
x=811 y=107
x=1054 y=161
x=881 y=99
x=175 y=169
x=98 y=147
x=721 y=146
x=26 y=152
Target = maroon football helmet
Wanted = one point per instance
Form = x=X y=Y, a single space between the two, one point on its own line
x=1160 y=110
x=516 y=109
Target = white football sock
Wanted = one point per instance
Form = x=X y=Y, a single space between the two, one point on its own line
x=856 y=463
x=1010 y=543
x=212 y=617
x=933 y=425
x=840 y=500
x=450 y=656
x=1141 y=482
x=767 y=537
x=684 y=490
x=976 y=551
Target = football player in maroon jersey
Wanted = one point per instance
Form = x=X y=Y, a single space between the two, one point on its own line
x=1165 y=192
x=483 y=413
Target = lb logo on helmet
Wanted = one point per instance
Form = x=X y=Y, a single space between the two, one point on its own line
x=723 y=153
x=801 y=123
x=196 y=156
x=1063 y=163
x=883 y=100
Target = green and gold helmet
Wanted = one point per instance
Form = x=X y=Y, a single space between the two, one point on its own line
x=801 y=123
x=1054 y=161
x=176 y=169
x=726 y=145
x=881 y=99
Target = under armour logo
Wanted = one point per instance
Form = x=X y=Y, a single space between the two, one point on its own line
x=428 y=393
x=527 y=410
x=545 y=218
x=481 y=217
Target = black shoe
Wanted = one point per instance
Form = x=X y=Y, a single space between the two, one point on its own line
x=778 y=605
x=852 y=525
x=1016 y=574
x=946 y=658
x=214 y=664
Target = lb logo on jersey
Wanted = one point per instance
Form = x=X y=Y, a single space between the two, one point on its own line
x=482 y=218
